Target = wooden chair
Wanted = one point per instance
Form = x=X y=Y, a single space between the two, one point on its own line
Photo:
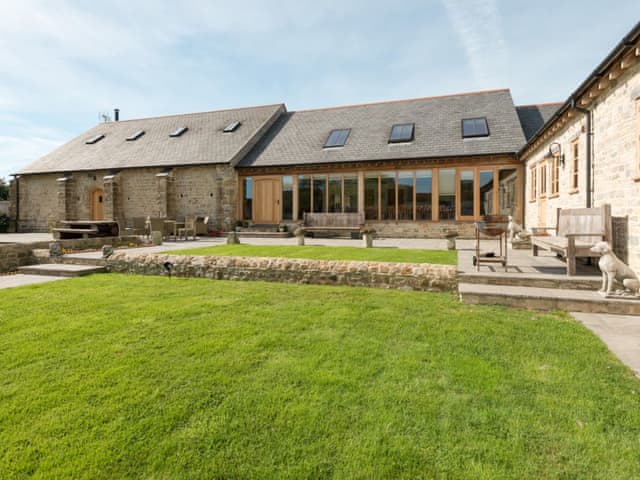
x=188 y=229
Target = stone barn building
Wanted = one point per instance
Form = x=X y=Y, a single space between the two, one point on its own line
x=418 y=167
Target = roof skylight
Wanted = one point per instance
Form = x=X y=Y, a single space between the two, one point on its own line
x=475 y=127
x=135 y=136
x=232 y=127
x=337 y=138
x=95 y=139
x=178 y=132
x=402 y=132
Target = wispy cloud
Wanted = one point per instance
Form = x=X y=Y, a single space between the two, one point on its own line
x=478 y=26
x=20 y=150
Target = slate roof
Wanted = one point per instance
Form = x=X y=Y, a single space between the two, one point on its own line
x=297 y=138
x=533 y=117
x=203 y=142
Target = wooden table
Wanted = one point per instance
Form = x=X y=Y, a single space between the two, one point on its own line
x=87 y=228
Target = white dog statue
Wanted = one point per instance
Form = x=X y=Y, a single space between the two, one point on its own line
x=516 y=231
x=613 y=268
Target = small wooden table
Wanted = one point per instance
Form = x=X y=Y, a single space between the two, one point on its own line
x=492 y=226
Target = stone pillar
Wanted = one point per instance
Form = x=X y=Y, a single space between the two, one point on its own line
x=113 y=198
x=230 y=197
x=13 y=206
x=360 y=192
x=65 y=198
x=165 y=195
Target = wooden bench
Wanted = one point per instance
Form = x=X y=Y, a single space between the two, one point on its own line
x=86 y=229
x=333 y=222
x=576 y=231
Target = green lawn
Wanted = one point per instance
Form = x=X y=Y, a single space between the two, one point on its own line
x=445 y=257
x=116 y=376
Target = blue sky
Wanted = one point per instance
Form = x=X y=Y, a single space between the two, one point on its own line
x=63 y=62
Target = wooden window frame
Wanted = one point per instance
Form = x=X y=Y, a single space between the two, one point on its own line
x=533 y=181
x=574 y=182
x=542 y=179
x=554 y=184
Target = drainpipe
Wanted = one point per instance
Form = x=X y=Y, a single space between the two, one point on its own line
x=588 y=117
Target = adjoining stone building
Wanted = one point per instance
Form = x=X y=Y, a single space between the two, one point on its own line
x=588 y=153
x=417 y=167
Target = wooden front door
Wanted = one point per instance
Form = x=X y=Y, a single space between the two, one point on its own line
x=266 y=200
x=97 y=204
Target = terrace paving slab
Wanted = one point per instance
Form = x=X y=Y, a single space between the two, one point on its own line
x=20 y=280
x=621 y=334
x=61 y=269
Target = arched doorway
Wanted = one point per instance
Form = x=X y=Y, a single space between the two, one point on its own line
x=97 y=204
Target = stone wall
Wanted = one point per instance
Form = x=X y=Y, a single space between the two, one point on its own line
x=422 y=229
x=174 y=193
x=14 y=255
x=409 y=276
x=614 y=170
x=38 y=200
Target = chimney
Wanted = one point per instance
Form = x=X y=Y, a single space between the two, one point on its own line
x=116 y=114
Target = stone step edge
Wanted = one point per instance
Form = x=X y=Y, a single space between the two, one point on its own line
x=539 y=280
x=564 y=299
x=59 y=272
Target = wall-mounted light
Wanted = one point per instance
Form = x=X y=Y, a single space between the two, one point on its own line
x=555 y=150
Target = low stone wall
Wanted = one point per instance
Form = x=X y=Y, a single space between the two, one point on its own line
x=422 y=229
x=406 y=276
x=14 y=255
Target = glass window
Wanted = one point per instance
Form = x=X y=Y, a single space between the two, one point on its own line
x=401 y=133
x=533 y=192
x=508 y=191
x=178 y=131
x=475 y=127
x=555 y=174
x=543 y=179
x=287 y=198
x=486 y=192
x=423 y=194
x=319 y=193
x=447 y=194
x=575 y=164
x=335 y=194
x=371 y=196
x=405 y=195
x=232 y=127
x=350 y=193
x=247 y=200
x=466 y=193
x=133 y=137
x=337 y=138
x=304 y=195
x=388 y=195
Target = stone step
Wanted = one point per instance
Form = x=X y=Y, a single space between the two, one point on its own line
x=61 y=269
x=537 y=298
x=589 y=282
